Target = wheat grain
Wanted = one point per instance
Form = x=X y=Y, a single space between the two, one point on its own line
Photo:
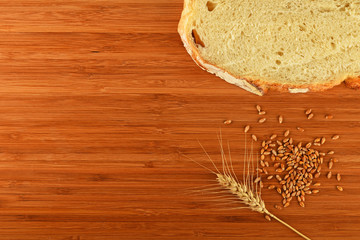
x=340 y=188
x=262 y=113
x=273 y=137
x=310 y=116
x=287 y=132
x=227 y=122
x=281 y=119
x=254 y=137
x=335 y=137
x=338 y=177
x=258 y=108
x=307 y=112
x=247 y=128
x=330 y=164
x=278 y=207
x=329 y=116
x=262 y=120
x=300 y=129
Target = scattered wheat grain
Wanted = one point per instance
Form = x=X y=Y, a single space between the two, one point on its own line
x=338 y=177
x=281 y=119
x=262 y=120
x=258 y=108
x=278 y=207
x=287 y=132
x=335 y=137
x=329 y=116
x=254 y=137
x=300 y=129
x=331 y=163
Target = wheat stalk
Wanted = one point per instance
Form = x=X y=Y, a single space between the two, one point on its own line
x=247 y=191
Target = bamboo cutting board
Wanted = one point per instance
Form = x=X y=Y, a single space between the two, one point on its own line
x=100 y=104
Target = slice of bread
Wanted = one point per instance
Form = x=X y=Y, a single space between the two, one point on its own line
x=289 y=45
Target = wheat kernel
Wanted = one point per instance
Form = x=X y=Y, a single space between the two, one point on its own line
x=338 y=177
x=335 y=137
x=254 y=137
x=340 y=188
x=281 y=119
x=262 y=120
x=331 y=164
x=278 y=207
x=273 y=137
x=258 y=108
x=287 y=132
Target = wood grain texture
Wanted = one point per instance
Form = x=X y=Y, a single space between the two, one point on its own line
x=99 y=100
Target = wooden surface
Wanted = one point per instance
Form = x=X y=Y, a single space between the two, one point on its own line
x=99 y=100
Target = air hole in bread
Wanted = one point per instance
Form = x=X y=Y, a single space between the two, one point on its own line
x=278 y=62
x=211 y=6
x=333 y=45
x=197 y=38
x=280 y=53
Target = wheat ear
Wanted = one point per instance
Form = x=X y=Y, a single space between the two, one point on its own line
x=246 y=191
x=248 y=197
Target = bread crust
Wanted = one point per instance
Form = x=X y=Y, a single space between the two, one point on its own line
x=256 y=86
